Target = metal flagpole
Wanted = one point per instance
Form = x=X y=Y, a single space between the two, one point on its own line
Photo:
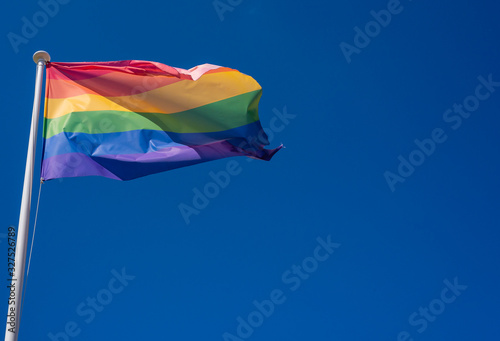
x=16 y=285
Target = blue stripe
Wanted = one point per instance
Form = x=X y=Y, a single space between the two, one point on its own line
x=147 y=141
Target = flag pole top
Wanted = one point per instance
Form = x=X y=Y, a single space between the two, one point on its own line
x=41 y=55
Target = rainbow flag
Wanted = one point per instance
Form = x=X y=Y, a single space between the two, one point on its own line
x=127 y=119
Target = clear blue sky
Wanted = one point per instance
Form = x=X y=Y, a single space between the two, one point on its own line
x=412 y=225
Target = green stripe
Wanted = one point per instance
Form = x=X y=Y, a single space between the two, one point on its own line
x=222 y=115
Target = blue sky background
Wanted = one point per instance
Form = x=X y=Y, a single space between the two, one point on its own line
x=348 y=124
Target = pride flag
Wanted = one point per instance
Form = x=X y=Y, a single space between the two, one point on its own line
x=127 y=119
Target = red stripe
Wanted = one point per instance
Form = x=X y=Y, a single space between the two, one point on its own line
x=78 y=71
x=112 y=84
x=112 y=79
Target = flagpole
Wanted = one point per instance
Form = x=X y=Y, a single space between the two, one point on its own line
x=16 y=286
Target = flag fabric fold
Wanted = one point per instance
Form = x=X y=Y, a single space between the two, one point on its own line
x=128 y=119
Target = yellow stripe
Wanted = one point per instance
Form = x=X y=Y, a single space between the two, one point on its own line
x=177 y=97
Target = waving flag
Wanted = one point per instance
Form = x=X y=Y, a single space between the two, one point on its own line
x=128 y=119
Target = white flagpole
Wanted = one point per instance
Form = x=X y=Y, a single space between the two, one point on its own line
x=16 y=287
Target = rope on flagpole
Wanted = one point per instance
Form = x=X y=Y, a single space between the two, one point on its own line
x=31 y=249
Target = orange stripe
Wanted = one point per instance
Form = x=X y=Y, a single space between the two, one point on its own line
x=112 y=84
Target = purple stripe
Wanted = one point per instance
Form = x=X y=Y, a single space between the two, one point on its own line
x=131 y=166
x=73 y=165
